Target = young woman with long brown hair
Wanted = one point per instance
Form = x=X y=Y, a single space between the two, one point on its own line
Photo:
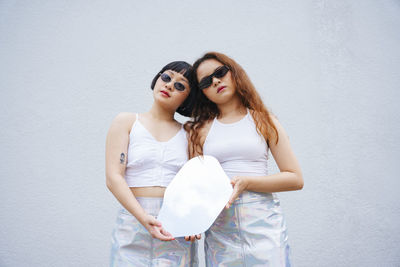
x=232 y=124
x=143 y=154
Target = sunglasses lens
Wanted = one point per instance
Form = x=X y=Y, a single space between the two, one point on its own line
x=219 y=73
x=205 y=83
x=179 y=86
x=165 y=77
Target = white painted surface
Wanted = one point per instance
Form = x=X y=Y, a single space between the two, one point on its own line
x=328 y=69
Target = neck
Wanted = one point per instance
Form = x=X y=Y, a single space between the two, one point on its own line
x=160 y=113
x=232 y=107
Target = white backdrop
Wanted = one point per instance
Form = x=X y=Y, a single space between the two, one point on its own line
x=328 y=69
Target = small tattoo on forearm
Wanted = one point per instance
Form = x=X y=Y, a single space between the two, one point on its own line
x=122 y=158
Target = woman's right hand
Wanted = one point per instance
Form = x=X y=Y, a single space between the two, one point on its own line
x=155 y=228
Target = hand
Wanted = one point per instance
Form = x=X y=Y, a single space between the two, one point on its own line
x=239 y=184
x=192 y=238
x=155 y=229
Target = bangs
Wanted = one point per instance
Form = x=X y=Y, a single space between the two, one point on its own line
x=180 y=67
x=186 y=70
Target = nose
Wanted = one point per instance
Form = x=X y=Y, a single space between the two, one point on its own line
x=216 y=81
x=169 y=85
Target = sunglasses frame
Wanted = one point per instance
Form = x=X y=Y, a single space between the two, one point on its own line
x=207 y=81
x=176 y=84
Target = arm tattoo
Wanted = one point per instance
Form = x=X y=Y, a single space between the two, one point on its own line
x=122 y=158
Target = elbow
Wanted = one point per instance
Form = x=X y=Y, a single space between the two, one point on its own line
x=300 y=182
x=109 y=182
x=296 y=181
x=300 y=185
x=113 y=180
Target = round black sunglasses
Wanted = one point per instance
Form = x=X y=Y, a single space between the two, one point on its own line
x=166 y=78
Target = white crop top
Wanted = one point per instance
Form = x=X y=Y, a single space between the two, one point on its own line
x=238 y=147
x=151 y=162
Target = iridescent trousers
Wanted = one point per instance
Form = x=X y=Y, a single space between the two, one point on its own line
x=132 y=244
x=252 y=232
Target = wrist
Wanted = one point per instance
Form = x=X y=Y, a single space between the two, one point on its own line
x=246 y=182
x=142 y=217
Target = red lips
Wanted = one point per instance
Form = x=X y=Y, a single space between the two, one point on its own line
x=220 y=88
x=165 y=93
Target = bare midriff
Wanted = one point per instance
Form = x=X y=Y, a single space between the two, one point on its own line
x=149 y=191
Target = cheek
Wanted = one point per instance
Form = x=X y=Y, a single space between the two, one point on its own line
x=208 y=94
x=159 y=83
x=228 y=78
x=182 y=97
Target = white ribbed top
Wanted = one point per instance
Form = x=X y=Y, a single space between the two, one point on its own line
x=151 y=162
x=238 y=147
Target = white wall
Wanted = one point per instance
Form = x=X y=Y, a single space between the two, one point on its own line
x=328 y=69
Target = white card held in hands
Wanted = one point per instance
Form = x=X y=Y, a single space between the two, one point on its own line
x=195 y=197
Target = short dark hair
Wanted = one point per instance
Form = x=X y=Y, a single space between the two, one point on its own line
x=187 y=71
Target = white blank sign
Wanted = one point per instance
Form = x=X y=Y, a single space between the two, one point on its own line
x=195 y=197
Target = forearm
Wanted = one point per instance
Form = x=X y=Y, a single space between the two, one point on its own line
x=120 y=189
x=283 y=181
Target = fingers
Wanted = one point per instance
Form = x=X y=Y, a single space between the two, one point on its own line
x=163 y=237
x=156 y=231
x=234 y=180
x=235 y=194
x=161 y=234
x=165 y=233
x=192 y=238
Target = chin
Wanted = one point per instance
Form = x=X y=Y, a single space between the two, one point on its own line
x=226 y=97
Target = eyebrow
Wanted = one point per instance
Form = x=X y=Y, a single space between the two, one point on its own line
x=183 y=77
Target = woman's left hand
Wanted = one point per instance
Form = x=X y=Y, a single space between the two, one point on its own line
x=193 y=238
x=239 y=184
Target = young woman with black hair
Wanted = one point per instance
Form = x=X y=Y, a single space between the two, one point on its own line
x=143 y=154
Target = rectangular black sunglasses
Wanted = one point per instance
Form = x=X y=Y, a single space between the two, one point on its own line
x=218 y=73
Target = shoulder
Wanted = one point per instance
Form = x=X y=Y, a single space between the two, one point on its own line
x=194 y=129
x=124 y=120
x=206 y=127
x=274 y=119
x=125 y=116
x=279 y=128
x=276 y=123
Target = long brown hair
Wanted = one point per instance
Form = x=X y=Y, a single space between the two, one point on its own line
x=205 y=110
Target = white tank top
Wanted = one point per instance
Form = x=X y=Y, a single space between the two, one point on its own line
x=238 y=147
x=151 y=162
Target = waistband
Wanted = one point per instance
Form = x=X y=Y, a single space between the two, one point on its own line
x=240 y=168
x=151 y=205
x=250 y=196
